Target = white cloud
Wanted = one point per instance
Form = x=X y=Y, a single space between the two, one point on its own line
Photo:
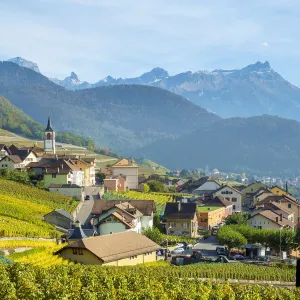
x=265 y=44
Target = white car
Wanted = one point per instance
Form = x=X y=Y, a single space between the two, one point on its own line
x=180 y=245
x=178 y=251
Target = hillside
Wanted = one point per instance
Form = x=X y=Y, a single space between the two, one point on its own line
x=22 y=209
x=120 y=117
x=253 y=90
x=259 y=145
x=15 y=120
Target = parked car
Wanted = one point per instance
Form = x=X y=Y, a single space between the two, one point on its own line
x=221 y=250
x=214 y=232
x=238 y=257
x=87 y=197
x=215 y=227
x=180 y=245
x=177 y=251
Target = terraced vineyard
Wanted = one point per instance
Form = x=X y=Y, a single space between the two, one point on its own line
x=108 y=283
x=159 y=199
x=22 y=209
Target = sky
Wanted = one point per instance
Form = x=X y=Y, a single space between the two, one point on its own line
x=125 y=38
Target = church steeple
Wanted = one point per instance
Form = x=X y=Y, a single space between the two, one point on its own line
x=49 y=127
x=49 y=138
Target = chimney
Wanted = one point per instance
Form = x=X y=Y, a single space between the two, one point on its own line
x=62 y=166
x=57 y=170
x=280 y=217
x=276 y=219
x=179 y=205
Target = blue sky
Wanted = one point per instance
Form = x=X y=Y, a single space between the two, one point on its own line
x=125 y=38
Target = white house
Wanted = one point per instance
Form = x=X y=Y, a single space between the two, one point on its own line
x=207 y=187
x=111 y=216
x=119 y=218
x=19 y=160
x=130 y=170
x=232 y=195
x=268 y=219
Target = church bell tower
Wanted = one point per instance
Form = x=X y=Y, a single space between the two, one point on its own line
x=49 y=138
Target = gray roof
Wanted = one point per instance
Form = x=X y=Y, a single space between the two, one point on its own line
x=63 y=213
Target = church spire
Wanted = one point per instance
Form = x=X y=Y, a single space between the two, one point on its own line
x=49 y=128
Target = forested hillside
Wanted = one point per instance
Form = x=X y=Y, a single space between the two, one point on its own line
x=15 y=120
x=262 y=145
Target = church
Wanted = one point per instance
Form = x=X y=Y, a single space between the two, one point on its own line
x=49 y=138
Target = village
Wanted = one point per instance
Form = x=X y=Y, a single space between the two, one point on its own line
x=110 y=227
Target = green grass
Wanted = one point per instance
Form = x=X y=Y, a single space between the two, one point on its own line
x=207 y=208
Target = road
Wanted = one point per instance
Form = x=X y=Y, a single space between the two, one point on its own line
x=208 y=246
x=84 y=215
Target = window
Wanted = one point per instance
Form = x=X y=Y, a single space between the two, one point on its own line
x=203 y=220
x=133 y=257
x=234 y=199
x=289 y=205
x=75 y=251
x=80 y=252
x=53 y=175
x=233 y=207
x=172 y=224
x=185 y=225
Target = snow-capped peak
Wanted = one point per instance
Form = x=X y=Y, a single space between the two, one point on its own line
x=22 y=62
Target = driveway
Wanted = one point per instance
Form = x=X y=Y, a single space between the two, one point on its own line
x=208 y=246
x=84 y=215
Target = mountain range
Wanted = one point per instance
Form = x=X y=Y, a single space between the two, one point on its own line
x=254 y=90
x=133 y=118
x=123 y=117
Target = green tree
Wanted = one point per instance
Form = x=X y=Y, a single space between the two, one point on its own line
x=232 y=239
x=185 y=173
x=156 y=186
x=100 y=176
x=153 y=234
x=237 y=218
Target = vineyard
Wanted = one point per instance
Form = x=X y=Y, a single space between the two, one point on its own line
x=35 y=195
x=78 y=282
x=159 y=198
x=40 y=257
x=22 y=209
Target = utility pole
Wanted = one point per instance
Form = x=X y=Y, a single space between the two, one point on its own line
x=298 y=273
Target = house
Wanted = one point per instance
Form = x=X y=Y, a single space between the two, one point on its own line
x=59 y=218
x=251 y=188
x=212 y=212
x=129 y=169
x=71 y=190
x=260 y=195
x=118 y=249
x=4 y=150
x=115 y=183
x=18 y=160
x=286 y=202
x=268 y=219
x=77 y=233
x=181 y=219
x=219 y=201
x=209 y=216
x=119 y=218
x=232 y=195
x=57 y=171
x=276 y=190
x=85 y=163
x=111 y=216
x=205 y=187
